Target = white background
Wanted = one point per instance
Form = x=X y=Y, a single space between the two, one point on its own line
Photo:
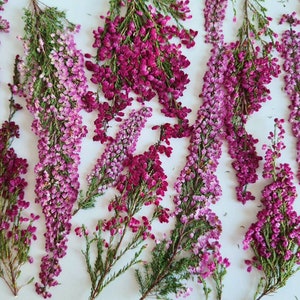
x=239 y=285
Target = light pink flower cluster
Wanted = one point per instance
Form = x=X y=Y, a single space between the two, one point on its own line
x=109 y=166
x=289 y=49
x=58 y=126
x=275 y=237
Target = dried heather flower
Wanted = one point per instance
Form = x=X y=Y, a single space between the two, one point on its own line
x=16 y=225
x=275 y=237
x=54 y=82
x=193 y=248
x=143 y=184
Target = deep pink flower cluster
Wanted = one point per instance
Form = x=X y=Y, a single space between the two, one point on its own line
x=138 y=57
x=110 y=165
x=16 y=225
x=290 y=51
x=143 y=184
x=58 y=126
x=275 y=237
x=246 y=82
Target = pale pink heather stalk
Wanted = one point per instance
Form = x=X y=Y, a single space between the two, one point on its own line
x=109 y=166
x=58 y=126
x=214 y=12
x=197 y=184
x=290 y=52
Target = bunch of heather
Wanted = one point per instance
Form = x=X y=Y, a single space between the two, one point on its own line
x=142 y=184
x=109 y=166
x=193 y=249
x=137 y=55
x=250 y=71
x=16 y=225
x=289 y=50
x=275 y=237
x=53 y=81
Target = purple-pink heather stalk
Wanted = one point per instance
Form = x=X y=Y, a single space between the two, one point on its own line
x=275 y=237
x=289 y=49
x=214 y=15
x=197 y=186
x=110 y=165
x=54 y=83
x=194 y=240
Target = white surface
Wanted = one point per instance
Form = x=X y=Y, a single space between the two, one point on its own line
x=239 y=285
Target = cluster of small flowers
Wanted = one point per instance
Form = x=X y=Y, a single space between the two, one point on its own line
x=289 y=50
x=110 y=165
x=139 y=58
x=16 y=229
x=197 y=185
x=143 y=184
x=4 y=24
x=246 y=82
x=214 y=15
x=58 y=126
x=275 y=237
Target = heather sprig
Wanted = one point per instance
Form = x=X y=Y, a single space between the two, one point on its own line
x=53 y=82
x=192 y=249
x=289 y=49
x=136 y=57
x=142 y=184
x=17 y=230
x=251 y=70
x=109 y=166
x=275 y=237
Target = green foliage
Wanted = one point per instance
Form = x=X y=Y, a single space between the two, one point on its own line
x=166 y=273
x=255 y=25
x=171 y=261
x=101 y=271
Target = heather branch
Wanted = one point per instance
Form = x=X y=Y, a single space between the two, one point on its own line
x=275 y=237
x=16 y=229
x=126 y=230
